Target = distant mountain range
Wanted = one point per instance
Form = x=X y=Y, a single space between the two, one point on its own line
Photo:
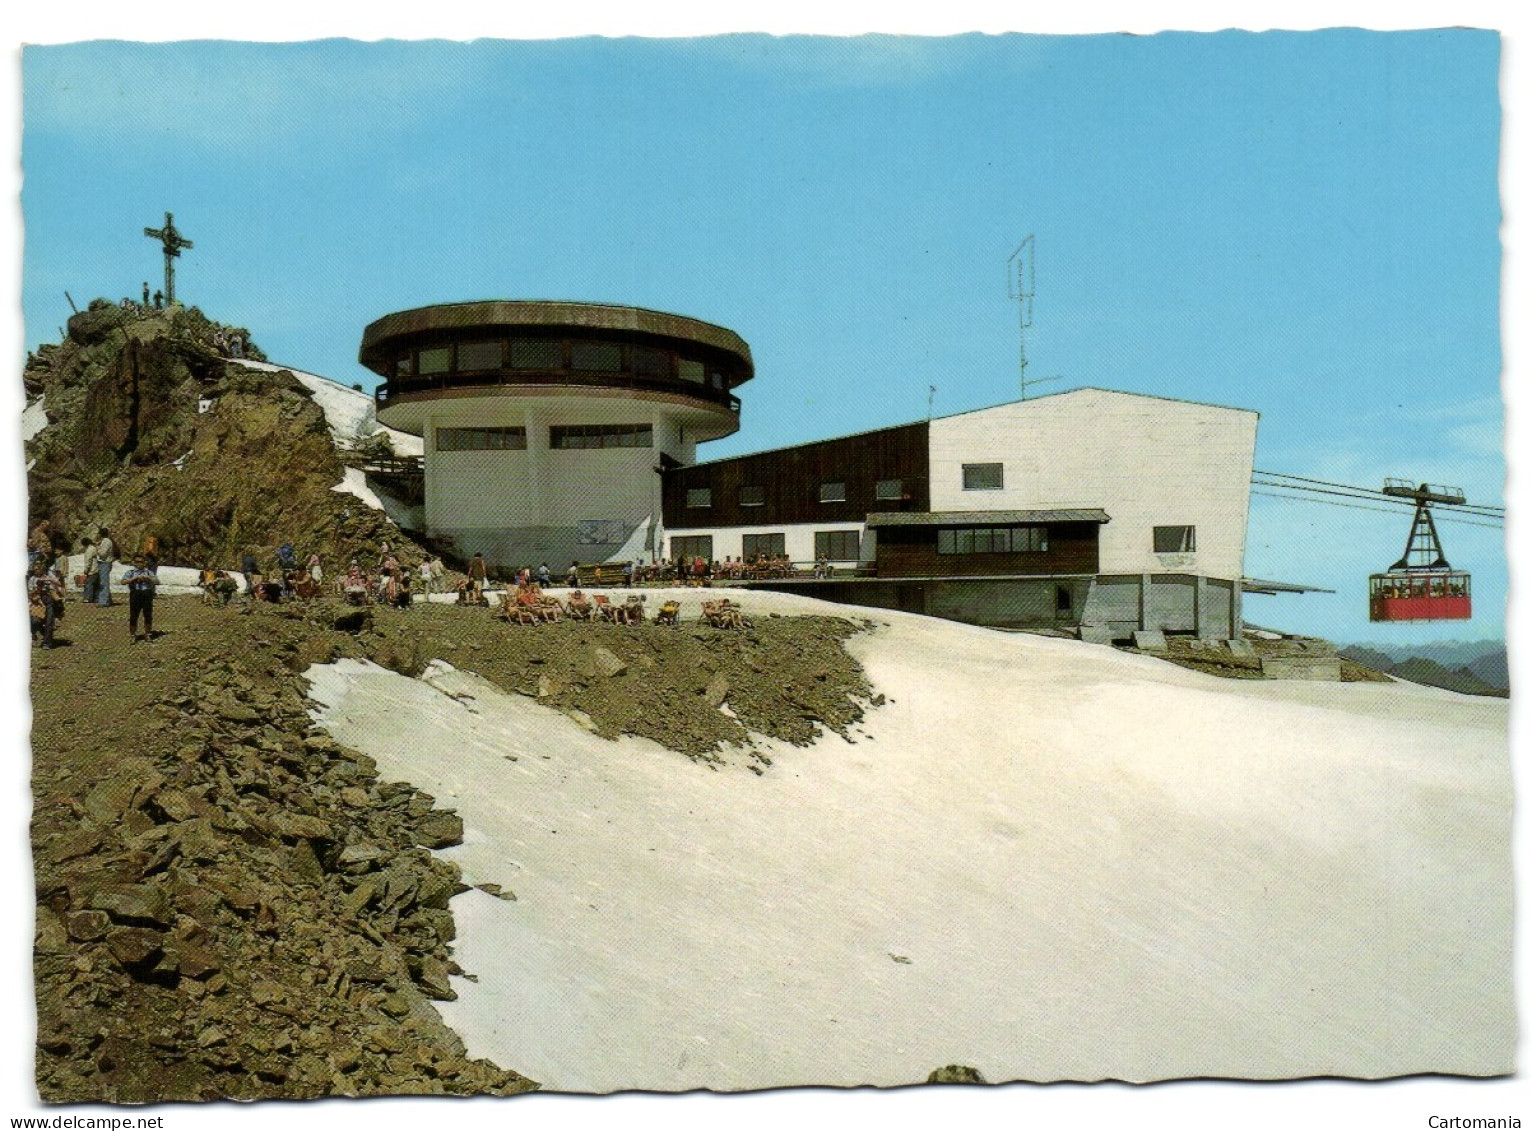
x=1476 y=667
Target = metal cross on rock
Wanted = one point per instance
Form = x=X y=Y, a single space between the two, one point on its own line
x=173 y=242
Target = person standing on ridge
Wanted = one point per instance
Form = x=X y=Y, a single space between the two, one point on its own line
x=478 y=574
x=45 y=602
x=106 y=556
x=90 y=580
x=141 y=584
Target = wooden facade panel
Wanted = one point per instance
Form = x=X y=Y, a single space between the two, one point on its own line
x=910 y=551
x=789 y=482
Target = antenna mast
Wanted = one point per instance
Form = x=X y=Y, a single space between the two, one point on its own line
x=1021 y=287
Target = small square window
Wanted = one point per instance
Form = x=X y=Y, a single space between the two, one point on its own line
x=832 y=492
x=699 y=496
x=650 y=362
x=983 y=476
x=889 y=489
x=752 y=496
x=435 y=360
x=1175 y=539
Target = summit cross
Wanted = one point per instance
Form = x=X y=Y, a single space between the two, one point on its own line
x=173 y=242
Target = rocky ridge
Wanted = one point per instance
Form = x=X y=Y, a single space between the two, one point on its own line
x=232 y=905
x=152 y=431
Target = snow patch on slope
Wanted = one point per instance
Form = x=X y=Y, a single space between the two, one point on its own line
x=1040 y=858
x=355 y=483
x=33 y=419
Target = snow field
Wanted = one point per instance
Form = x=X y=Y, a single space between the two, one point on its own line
x=1042 y=859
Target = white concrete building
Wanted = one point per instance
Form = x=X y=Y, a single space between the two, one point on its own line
x=546 y=425
x=1174 y=476
x=1089 y=507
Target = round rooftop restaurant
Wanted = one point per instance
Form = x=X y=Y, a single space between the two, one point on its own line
x=545 y=423
x=537 y=348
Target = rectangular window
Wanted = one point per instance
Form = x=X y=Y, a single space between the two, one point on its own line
x=832 y=492
x=404 y=366
x=992 y=540
x=435 y=360
x=474 y=357
x=692 y=371
x=1175 y=539
x=567 y=436
x=889 y=489
x=752 y=496
x=537 y=353
x=699 y=496
x=772 y=545
x=650 y=362
x=1029 y=539
x=595 y=357
x=983 y=476
x=691 y=546
x=837 y=545
x=481 y=439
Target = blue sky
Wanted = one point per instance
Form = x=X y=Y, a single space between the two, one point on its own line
x=1305 y=224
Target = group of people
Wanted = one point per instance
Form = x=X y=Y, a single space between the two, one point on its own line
x=685 y=571
x=47 y=564
x=390 y=582
x=703 y=571
x=761 y=567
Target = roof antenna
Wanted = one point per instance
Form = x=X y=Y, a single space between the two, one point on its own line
x=1021 y=287
x=930 y=400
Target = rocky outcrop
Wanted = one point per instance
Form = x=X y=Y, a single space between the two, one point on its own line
x=245 y=910
x=152 y=432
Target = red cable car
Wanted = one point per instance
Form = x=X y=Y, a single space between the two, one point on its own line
x=1421 y=585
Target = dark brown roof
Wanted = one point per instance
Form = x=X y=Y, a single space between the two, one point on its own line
x=537 y=312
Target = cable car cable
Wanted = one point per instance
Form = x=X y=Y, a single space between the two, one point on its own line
x=1391 y=500
x=1368 y=491
x=1379 y=510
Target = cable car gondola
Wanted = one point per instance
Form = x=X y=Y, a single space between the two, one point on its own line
x=1421 y=585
